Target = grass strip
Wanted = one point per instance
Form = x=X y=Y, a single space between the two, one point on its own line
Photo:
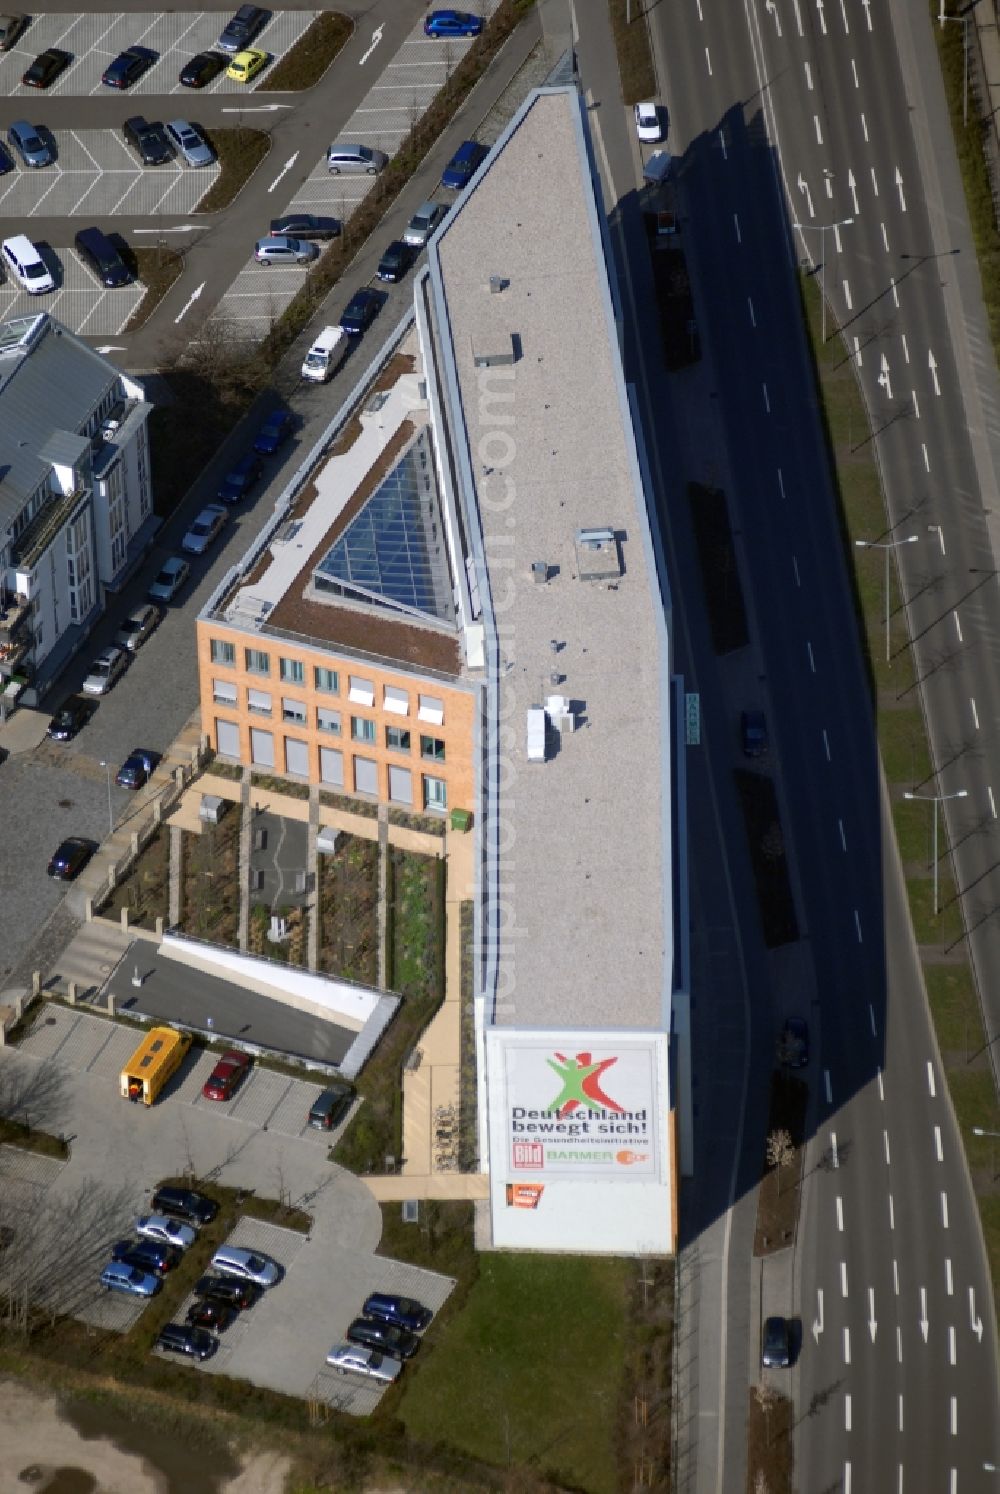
x=305 y=63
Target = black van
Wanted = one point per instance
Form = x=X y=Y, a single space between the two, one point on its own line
x=184 y=1203
x=97 y=251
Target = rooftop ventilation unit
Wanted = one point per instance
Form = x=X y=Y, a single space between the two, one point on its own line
x=597 y=555
x=501 y=358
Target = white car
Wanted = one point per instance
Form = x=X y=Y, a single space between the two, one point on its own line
x=189 y=143
x=354 y=1359
x=136 y=629
x=105 y=670
x=25 y=266
x=204 y=530
x=165 y=1231
x=171 y=577
x=247 y=1265
x=423 y=223
x=647 y=123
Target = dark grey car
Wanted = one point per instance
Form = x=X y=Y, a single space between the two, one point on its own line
x=777 y=1350
x=29 y=145
x=331 y=1106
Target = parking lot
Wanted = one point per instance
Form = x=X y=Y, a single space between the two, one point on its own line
x=95 y=40
x=96 y=174
x=68 y=1068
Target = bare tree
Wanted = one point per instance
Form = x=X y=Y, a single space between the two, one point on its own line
x=780 y=1152
x=760 y=1483
x=767 y=1398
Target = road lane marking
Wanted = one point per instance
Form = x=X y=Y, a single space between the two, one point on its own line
x=976 y=1324
x=924 y=1324
x=847 y=1345
x=926 y=456
x=930 y=1079
x=857 y=926
x=944 y=1209
x=736 y=225
x=767 y=399
x=833 y=1149
x=892 y=1214
x=881 y=1086
x=826 y=1081
x=874 y=182
x=753 y=319
x=993 y=807
x=937 y=1144
x=708 y=62
x=885 y=237
x=847 y=1413
x=781 y=482
x=952 y=1347
x=843 y=12
x=843 y=1278
x=840 y=1214
x=864 y=129
x=895 y=1277
x=915 y=402
x=847 y=295
x=975 y=713
x=953 y=1485
x=809 y=76
x=826 y=744
x=906 y=346
x=847 y=1478
x=899 y=1345
x=812 y=661
x=843 y=837
x=819 y=132
x=885 y=1141
x=900 y=1398
x=871 y=1018
x=872 y=1323
x=948 y=1281
x=954 y=1416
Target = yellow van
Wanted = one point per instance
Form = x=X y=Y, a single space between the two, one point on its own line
x=160 y=1054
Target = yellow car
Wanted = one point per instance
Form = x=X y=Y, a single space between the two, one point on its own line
x=246 y=65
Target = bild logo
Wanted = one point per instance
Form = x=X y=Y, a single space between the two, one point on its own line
x=581 y=1084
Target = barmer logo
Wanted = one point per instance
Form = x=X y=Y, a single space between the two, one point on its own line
x=581 y=1084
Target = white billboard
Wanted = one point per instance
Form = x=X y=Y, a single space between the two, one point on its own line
x=576 y=1105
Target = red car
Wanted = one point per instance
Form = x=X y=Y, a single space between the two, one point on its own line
x=227 y=1076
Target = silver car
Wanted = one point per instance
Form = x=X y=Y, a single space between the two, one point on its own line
x=165 y=1231
x=279 y=249
x=355 y=1359
x=169 y=580
x=247 y=1265
x=204 y=530
x=348 y=158
x=423 y=223
x=136 y=629
x=105 y=670
x=189 y=143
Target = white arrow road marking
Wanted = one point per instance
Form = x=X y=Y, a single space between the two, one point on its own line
x=376 y=38
x=180 y=228
x=189 y=303
x=932 y=365
x=817 y=1328
x=255 y=108
x=872 y=1325
x=924 y=1324
x=110 y=349
x=883 y=378
x=976 y=1324
x=803 y=187
x=284 y=171
x=899 y=187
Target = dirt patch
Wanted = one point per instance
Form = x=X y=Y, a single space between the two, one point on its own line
x=416 y=925
x=778 y=1198
x=769 y=1442
x=145 y=891
x=304 y=64
x=210 y=895
x=766 y=842
x=720 y=577
x=348 y=904
x=644 y=1420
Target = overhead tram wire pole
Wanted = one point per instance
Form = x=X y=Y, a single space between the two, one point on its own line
x=822 y=229
x=994 y=1137
x=887 y=546
x=936 y=799
x=964 y=18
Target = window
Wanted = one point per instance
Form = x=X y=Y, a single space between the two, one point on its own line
x=331 y=766
x=362 y=730
x=400 y=784
x=227 y=738
x=328 y=721
x=365 y=776
x=259 y=702
x=397 y=702
x=362 y=692
x=397 y=739
x=261 y=747
x=224 y=692
x=223 y=652
x=293 y=710
x=435 y=793
x=296 y=757
x=292 y=671
x=257 y=661
x=327 y=680
x=431 y=709
x=433 y=748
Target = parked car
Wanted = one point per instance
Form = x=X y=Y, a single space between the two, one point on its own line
x=46 y=68
x=463 y=165
x=389 y=1338
x=178 y=1338
x=284 y=251
x=239 y=1294
x=247 y=23
x=70 y=858
x=71 y=717
x=6 y=161
x=647 y=123
x=105 y=671
x=304 y=226
x=452 y=23
x=240 y=478
x=353 y=1359
x=119 y=1277
x=404 y=1312
x=274 y=432
x=137 y=627
x=166 y=1230
x=343 y=156
x=793 y=1045
x=172 y=575
x=137 y=769
x=148 y=1255
x=25 y=265
x=103 y=257
x=776 y=1352
x=227 y=1076
x=211 y=1312
x=205 y=529
x=148 y=141
x=753 y=733
x=395 y=262
x=361 y=310
x=25 y=139
x=248 y=1265
x=189 y=143
x=184 y=1203
x=203 y=69
x=11 y=28
x=330 y=1107
x=423 y=223
x=246 y=65
x=128 y=67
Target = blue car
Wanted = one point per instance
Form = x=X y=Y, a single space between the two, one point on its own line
x=402 y=1312
x=240 y=479
x=452 y=23
x=274 y=432
x=118 y=1277
x=463 y=165
x=361 y=310
x=128 y=67
x=137 y=769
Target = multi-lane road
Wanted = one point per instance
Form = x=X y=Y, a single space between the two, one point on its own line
x=792 y=112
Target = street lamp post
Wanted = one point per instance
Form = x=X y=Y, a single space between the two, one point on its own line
x=886 y=545
x=111 y=813
x=994 y=1136
x=965 y=55
x=822 y=229
x=936 y=799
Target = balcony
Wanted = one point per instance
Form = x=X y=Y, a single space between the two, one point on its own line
x=29 y=548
